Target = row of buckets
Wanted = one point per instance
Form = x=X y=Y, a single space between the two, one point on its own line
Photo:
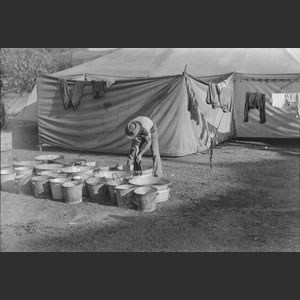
x=70 y=185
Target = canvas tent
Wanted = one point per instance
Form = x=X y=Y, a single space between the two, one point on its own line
x=98 y=124
x=151 y=82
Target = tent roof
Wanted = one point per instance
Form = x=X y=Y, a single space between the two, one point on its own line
x=143 y=62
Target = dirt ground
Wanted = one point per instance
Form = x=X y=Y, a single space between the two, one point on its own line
x=248 y=202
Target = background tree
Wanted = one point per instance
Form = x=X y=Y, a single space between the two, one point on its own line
x=20 y=66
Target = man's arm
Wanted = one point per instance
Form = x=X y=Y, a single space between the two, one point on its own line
x=146 y=145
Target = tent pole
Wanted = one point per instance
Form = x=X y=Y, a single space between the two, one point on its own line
x=211 y=152
x=233 y=105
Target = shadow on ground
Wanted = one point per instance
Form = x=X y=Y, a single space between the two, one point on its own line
x=254 y=209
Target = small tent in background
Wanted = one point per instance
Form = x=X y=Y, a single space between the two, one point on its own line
x=28 y=111
x=151 y=82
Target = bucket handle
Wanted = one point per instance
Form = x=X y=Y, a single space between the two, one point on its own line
x=116 y=176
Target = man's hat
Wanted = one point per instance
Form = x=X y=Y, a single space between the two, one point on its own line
x=132 y=130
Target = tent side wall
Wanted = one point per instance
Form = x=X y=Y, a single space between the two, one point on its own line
x=98 y=124
x=280 y=122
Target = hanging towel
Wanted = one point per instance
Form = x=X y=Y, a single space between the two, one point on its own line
x=255 y=101
x=65 y=92
x=77 y=94
x=278 y=100
x=98 y=89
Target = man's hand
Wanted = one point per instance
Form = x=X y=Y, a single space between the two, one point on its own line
x=139 y=158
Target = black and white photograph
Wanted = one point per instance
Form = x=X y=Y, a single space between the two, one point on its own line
x=150 y=149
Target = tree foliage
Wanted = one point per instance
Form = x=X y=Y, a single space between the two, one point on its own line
x=20 y=66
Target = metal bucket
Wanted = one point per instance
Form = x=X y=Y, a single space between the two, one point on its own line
x=41 y=186
x=111 y=185
x=24 y=184
x=72 y=192
x=85 y=191
x=78 y=170
x=27 y=163
x=49 y=168
x=163 y=195
x=161 y=184
x=8 y=182
x=125 y=196
x=97 y=188
x=144 y=198
x=24 y=171
x=111 y=174
x=56 y=187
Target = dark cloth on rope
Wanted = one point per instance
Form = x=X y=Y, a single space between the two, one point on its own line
x=192 y=103
x=255 y=101
x=71 y=98
x=220 y=96
x=65 y=93
x=213 y=96
x=77 y=93
x=98 y=89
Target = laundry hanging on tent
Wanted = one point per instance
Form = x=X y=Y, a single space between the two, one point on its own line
x=291 y=98
x=77 y=93
x=98 y=89
x=192 y=102
x=65 y=92
x=298 y=107
x=207 y=132
x=71 y=97
x=278 y=100
x=282 y=100
x=213 y=97
x=255 y=101
x=220 y=96
x=222 y=85
x=225 y=89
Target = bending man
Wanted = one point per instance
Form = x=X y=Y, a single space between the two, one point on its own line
x=144 y=135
